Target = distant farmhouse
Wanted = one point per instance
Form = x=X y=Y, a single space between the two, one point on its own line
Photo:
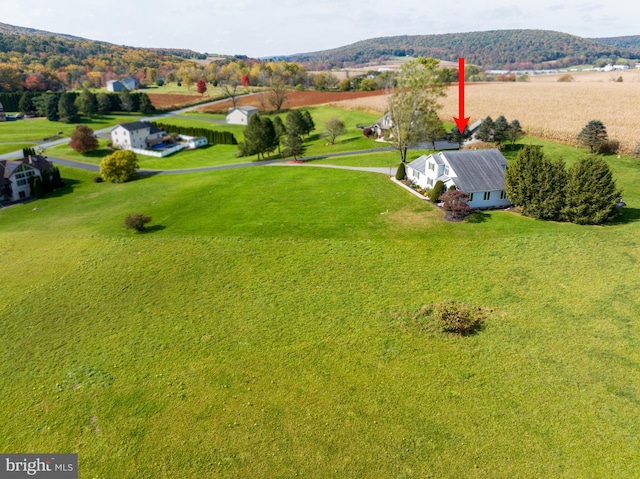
x=145 y=138
x=15 y=175
x=479 y=173
x=3 y=117
x=119 y=85
x=240 y=115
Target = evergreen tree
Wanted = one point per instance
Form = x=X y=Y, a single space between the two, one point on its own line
x=593 y=136
x=536 y=184
x=47 y=187
x=592 y=195
x=401 y=172
x=52 y=108
x=259 y=137
x=104 y=103
x=126 y=102
x=437 y=191
x=35 y=184
x=146 y=107
x=458 y=137
x=87 y=103
x=66 y=109
x=308 y=123
x=280 y=130
x=56 y=179
x=485 y=132
x=25 y=105
x=293 y=145
x=500 y=127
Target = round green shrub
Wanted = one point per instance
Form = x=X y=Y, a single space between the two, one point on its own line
x=437 y=191
x=401 y=172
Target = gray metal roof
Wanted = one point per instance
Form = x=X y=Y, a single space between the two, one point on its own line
x=139 y=125
x=419 y=164
x=477 y=170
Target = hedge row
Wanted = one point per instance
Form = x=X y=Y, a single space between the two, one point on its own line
x=214 y=137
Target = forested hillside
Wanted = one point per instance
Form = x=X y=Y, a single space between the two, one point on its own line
x=58 y=61
x=629 y=42
x=501 y=49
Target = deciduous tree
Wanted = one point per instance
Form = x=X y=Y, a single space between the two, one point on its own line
x=201 y=86
x=420 y=85
x=83 y=139
x=455 y=204
x=514 y=132
x=119 y=167
x=334 y=128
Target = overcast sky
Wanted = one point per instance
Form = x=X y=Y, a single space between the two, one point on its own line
x=268 y=27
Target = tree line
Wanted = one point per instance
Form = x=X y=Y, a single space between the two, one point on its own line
x=263 y=136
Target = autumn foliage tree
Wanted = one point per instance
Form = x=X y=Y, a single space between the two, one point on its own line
x=83 y=140
x=455 y=204
x=201 y=86
x=119 y=167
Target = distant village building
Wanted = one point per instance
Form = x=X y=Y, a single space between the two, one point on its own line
x=15 y=176
x=240 y=115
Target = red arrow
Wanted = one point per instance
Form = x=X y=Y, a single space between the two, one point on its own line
x=461 y=121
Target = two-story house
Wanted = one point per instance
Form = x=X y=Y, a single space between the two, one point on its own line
x=137 y=134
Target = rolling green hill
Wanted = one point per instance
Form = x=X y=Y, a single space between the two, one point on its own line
x=491 y=49
x=631 y=42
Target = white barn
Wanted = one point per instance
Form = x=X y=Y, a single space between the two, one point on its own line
x=240 y=115
x=479 y=173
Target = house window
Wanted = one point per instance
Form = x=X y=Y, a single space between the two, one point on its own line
x=430 y=182
x=446 y=170
x=503 y=195
x=487 y=195
x=470 y=197
x=432 y=166
x=417 y=175
x=22 y=195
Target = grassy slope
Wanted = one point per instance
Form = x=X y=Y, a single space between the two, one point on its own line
x=263 y=329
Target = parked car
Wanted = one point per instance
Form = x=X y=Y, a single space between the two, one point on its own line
x=19 y=116
x=10 y=117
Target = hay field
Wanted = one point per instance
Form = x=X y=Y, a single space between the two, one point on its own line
x=551 y=110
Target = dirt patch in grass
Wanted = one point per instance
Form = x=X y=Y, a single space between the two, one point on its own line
x=295 y=99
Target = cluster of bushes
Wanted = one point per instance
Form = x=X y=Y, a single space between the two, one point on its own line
x=214 y=137
x=499 y=131
x=545 y=189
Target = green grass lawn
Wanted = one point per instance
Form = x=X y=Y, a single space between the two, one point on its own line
x=11 y=147
x=37 y=129
x=264 y=327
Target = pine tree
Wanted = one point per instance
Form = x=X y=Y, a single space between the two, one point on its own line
x=308 y=123
x=104 y=103
x=458 y=137
x=56 y=179
x=25 y=105
x=280 y=130
x=259 y=137
x=437 y=191
x=592 y=195
x=401 y=172
x=87 y=103
x=126 y=102
x=500 y=127
x=47 y=187
x=67 y=109
x=52 y=108
x=146 y=107
x=293 y=145
x=485 y=132
x=593 y=136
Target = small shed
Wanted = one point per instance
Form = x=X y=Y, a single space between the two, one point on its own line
x=240 y=115
x=114 y=86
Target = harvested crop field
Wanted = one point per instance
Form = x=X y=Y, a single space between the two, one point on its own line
x=164 y=101
x=555 y=111
x=295 y=99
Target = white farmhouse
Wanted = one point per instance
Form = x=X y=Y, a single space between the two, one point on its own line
x=135 y=135
x=15 y=175
x=479 y=173
x=240 y=115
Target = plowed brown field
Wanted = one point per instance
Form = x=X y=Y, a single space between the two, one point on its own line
x=165 y=101
x=295 y=99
